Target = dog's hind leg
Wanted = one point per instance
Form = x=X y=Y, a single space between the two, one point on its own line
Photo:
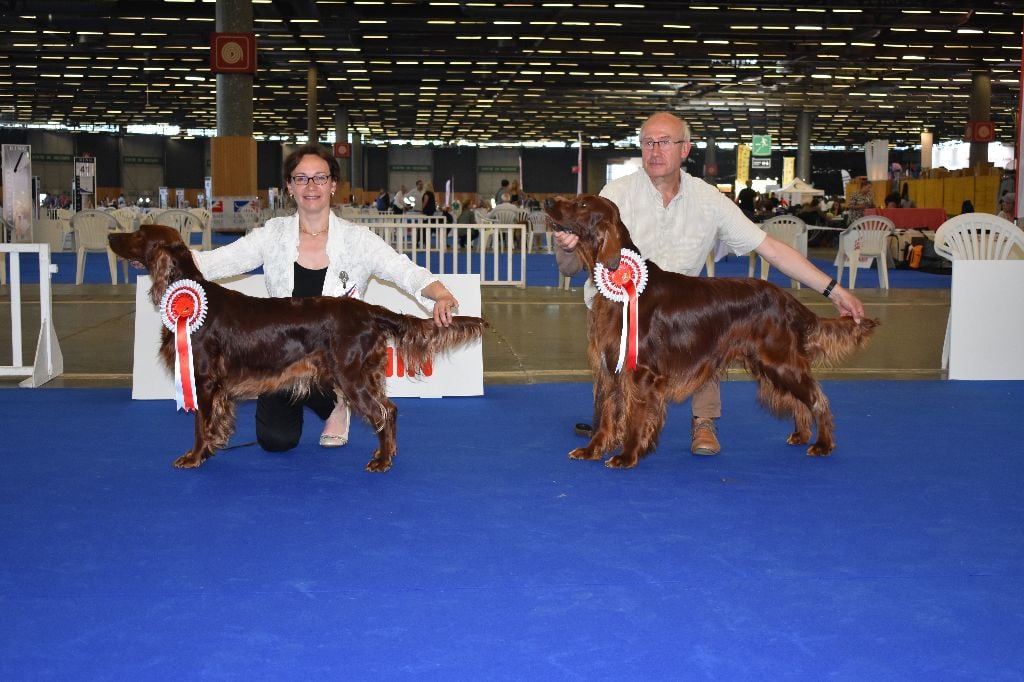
x=791 y=390
x=368 y=398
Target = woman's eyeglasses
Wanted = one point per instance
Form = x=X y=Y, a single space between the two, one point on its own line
x=318 y=179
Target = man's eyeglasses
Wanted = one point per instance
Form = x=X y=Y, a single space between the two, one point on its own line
x=318 y=179
x=661 y=144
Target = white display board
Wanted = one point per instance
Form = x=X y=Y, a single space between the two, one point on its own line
x=459 y=373
x=986 y=320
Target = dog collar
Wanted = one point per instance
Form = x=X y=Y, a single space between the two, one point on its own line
x=624 y=285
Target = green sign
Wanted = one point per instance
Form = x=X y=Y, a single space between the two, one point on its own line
x=409 y=168
x=498 y=169
x=53 y=158
x=761 y=145
x=144 y=160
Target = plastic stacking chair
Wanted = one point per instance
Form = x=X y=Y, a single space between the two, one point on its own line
x=206 y=218
x=789 y=230
x=867 y=236
x=183 y=220
x=976 y=236
x=539 y=229
x=91 y=228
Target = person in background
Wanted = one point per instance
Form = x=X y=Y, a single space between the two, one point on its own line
x=675 y=219
x=315 y=253
x=966 y=207
x=905 y=201
x=398 y=203
x=428 y=202
x=383 y=201
x=862 y=199
x=812 y=213
x=514 y=192
x=892 y=200
x=502 y=192
x=1007 y=206
x=747 y=200
x=417 y=198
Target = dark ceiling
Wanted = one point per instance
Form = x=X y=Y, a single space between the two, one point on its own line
x=506 y=72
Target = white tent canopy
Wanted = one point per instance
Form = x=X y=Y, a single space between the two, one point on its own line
x=798 y=192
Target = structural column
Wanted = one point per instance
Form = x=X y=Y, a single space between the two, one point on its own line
x=803 y=148
x=233 y=151
x=710 y=159
x=980 y=112
x=926 y=150
x=311 y=131
x=341 y=135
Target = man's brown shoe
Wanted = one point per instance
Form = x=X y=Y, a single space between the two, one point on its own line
x=705 y=441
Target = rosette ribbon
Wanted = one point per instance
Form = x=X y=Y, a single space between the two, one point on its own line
x=183 y=310
x=625 y=284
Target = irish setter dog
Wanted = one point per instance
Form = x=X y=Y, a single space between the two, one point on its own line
x=248 y=346
x=689 y=330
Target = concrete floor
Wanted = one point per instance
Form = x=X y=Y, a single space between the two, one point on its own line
x=537 y=334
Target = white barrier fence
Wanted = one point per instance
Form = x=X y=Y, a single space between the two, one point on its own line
x=49 y=362
x=448 y=248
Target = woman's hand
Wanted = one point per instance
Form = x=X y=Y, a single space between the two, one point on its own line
x=445 y=303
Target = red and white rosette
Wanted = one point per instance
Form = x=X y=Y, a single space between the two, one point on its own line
x=625 y=285
x=183 y=310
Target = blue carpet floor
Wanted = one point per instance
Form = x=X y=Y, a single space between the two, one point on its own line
x=486 y=554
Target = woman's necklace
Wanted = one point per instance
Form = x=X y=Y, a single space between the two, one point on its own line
x=311 y=233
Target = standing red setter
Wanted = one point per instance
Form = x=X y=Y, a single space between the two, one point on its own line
x=248 y=346
x=689 y=330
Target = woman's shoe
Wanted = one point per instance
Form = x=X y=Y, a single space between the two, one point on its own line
x=329 y=441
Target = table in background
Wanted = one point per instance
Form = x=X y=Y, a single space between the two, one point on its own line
x=912 y=218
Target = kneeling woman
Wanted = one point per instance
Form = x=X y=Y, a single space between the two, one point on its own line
x=315 y=253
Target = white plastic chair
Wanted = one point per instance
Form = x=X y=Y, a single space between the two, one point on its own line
x=867 y=236
x=91 y=228
x=976 y=236
x=206 y=218
x=250 y=217
x=789 y=230
x=504 y=214
x=539 y=229
x=979 y=236
x=68 y=241
x=183 y=220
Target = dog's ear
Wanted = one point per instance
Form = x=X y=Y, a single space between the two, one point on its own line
x=610 y=231
x=163 y=269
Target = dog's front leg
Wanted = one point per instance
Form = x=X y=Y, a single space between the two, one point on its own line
x=607 y=418
x=214 y=424
x=201 y=450
x=643 y=416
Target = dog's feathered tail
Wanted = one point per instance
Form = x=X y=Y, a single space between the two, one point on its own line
x=833 y=339
x=418 y=339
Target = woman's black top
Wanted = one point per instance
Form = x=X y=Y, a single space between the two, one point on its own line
x=308 y=282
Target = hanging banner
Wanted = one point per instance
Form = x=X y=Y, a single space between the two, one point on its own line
x=208 y=191
x=179 y=198
x=742 y=164
x=163 y=198
x=85 y=182
x=788 y=169
x=876 y=157
x=16 y=160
